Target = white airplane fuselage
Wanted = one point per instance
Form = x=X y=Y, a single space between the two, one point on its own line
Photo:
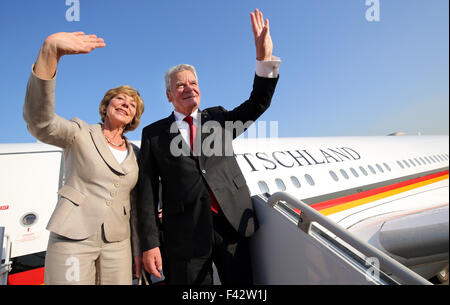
x=346 y=169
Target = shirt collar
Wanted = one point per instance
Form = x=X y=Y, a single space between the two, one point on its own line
x=179 y=116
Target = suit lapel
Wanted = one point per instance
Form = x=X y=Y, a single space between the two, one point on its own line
x=104 y=151
x=172 y=132
x=129 y=164
x=198 y=140
x=203 y=133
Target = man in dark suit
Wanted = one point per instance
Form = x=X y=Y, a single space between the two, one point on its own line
x=207 y=210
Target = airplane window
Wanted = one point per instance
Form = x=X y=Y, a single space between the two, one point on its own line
x=29 y=219
x=400 y=164
x=295 y=182
x=432 y=159
x=363 y=171
x=372 y=170
x=344 y=173
x=445 y=157
x=423 y=161
x=309 y=179
x=406 y=163
x=263 y=187
x=334 y=176
x=417 y=161
x=412 y=162
x=280 y=184
x=387 y=166
x=440 y=158
x=380 y=168
x=428 y=160
x=354 y=172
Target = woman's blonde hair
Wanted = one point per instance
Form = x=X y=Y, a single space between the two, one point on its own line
x=131 y=92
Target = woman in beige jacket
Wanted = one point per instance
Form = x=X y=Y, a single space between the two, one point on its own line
x=90 y=227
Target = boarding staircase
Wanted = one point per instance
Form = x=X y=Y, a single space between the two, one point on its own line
x=309 y=249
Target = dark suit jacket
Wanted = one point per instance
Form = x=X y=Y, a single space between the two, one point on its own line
x=187 y=221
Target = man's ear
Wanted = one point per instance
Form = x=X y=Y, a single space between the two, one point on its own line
x=169 y=97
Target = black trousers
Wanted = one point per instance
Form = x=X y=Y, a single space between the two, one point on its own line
x=230 y=253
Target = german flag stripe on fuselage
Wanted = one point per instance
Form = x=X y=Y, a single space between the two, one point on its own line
x=374 y=192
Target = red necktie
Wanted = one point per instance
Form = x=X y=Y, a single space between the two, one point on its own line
x=190 y=121
x=192 y=130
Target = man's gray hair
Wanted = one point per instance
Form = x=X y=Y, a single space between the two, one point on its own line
x=176 y=69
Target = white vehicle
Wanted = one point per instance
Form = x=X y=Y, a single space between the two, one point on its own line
x=374 y=210
x=31 y=175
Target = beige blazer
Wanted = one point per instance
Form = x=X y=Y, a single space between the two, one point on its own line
x=96 y=187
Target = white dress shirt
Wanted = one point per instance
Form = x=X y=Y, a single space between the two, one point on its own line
x=120 y=155
x=183 y=126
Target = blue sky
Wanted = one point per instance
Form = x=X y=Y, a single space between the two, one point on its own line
x=341 y=75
